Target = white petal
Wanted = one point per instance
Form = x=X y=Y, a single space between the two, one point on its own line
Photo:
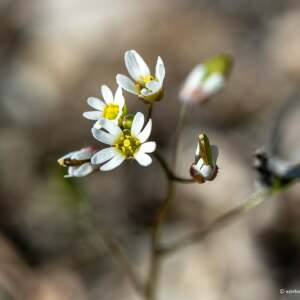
x=199 y=164
x=95 y=103
x=126 y=83
x=68 y=176
x=137 y=124
x=146 y=92
x=119 y=100
x=92 y=115
x=113 y=163
x=70 y=172
x=107 y=94
x=118 y=95
x=68 y=155
x=154 y=86
x=193 y=84
x=206 y=171
x=85 y=153
x=214 y=153
x=160 y=71
x=99 y=123
x=135 y=65
x=148 y=147
x=144 y=135
x=143 y=159
x=111 y=127
x=104 y=155
x=83 y=170
x=195 y=77
x=103 y=137
x=197 y=150
x=213 y=84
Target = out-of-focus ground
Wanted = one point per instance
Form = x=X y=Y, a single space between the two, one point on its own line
x=56 y=53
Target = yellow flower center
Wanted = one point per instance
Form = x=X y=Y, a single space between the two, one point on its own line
x=127 y=144
x=111 y=111
x=143 y=80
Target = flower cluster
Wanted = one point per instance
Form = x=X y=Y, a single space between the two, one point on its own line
x=126 y=135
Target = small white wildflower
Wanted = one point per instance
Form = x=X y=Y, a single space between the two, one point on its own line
x=145 y=85
x=124 y=144
x=205 y=167
x=78 y=162
x=112 y=108
x=206 y=79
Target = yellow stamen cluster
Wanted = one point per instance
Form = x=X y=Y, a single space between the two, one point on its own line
x=143 y=80
x=127 y=144
x=111 y=111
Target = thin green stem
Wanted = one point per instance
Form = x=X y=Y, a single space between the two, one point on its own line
x=181 y=122
x=155 y=259
x=169 y=173
x=150 y=110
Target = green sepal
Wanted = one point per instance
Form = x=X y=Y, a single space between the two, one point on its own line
x=220 y=64
x=126 y=121
x=205 y=150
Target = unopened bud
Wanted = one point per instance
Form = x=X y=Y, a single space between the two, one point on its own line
x=205 y=167
x=206 y=79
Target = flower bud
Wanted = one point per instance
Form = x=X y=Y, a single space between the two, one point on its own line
x=78 y=162
x=205 y=167
x=206 y=79
x=126 y=122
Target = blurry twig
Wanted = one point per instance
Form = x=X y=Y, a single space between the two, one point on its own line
x=222 y=221
x=113 y=247
x=276 y=133
x=252 y=202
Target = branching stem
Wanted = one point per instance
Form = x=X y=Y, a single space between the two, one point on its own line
x=253 y=201
x=155 y=259
x=169 y=173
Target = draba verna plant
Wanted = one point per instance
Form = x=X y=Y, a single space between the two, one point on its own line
x=125 y=135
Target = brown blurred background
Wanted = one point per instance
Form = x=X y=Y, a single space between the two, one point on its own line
x=56 y=53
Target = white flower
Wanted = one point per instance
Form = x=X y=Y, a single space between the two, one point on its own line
x=205 y=165
x=78 y=162
x=145 y=85
x=111 y=108
x=206 y=79
x=124 y=144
